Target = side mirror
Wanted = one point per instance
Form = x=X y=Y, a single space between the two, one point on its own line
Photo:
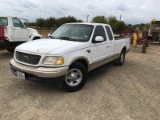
x=99 y=39
x=49 y=34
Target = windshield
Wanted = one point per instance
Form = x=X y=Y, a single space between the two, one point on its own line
x=3 y=21
x=73 y=32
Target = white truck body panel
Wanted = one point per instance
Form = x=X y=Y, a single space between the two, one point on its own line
x=19 y=34
x=13 y=33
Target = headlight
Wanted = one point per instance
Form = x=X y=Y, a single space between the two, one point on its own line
x=53 y=61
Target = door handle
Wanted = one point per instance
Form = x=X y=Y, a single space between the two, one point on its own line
x=88 y=51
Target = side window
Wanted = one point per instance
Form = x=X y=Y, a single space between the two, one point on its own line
x=99 y=31
x=109 y=33
x=3 y=21
x=16 y=22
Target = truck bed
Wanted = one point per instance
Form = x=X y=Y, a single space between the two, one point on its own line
x=119 y=38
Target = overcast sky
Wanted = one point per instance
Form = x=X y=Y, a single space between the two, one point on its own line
x=132 y=11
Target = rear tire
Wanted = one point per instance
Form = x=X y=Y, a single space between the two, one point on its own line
x=121 y=58
x=75 y=78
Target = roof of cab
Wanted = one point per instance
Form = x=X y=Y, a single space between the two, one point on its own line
x=87 y=23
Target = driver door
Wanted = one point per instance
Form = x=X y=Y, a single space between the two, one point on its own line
x=99 y=48
x=20 y=33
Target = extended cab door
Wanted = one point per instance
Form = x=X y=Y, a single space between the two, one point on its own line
x=110 y=43
x=98 y=49
x=20 y=33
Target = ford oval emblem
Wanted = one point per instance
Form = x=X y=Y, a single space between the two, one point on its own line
x=41 y=50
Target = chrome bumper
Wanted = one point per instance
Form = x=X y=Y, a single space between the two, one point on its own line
x=43 y=72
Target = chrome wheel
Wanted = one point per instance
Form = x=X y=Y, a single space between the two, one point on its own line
x=73 y=77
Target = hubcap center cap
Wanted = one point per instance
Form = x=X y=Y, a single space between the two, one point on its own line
x=73 y=76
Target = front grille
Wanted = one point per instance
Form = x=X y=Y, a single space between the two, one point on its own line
x=28 y=58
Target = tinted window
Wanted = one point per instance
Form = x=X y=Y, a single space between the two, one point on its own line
x=16 y=22
x=3 y=21
x=99 y=31
x=109 y=33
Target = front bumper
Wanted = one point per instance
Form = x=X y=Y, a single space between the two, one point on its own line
x=39 y=74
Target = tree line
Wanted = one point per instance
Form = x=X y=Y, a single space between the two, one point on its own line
x=53 y=22
x=117 y=25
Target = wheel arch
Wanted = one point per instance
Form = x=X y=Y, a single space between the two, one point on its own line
x=36 y=37
x=124 y=49
x=81 y=60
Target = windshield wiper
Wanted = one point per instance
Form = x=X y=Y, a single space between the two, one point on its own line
x=67 y=38
x=51 y=37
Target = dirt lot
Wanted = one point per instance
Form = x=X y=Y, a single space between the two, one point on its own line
x=129 y=92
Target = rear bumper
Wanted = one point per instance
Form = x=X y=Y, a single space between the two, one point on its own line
x=39 y=74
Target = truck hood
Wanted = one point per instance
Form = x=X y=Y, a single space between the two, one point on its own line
x=32 y=31
x=51 y=46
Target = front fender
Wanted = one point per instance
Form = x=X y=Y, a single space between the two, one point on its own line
x=34 y=35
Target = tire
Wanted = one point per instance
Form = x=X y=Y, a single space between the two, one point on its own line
x=144 y=48
x=121 y=58
x=10 y=49
x=75 y=78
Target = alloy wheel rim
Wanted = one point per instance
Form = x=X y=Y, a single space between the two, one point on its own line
x=73 y=77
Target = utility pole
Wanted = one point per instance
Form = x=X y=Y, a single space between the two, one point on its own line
x=87 y=18
x=40 y=13
x=120 y=17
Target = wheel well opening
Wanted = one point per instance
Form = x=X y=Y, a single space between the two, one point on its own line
x=35 y=38
x=83 y=62
x=124 y=49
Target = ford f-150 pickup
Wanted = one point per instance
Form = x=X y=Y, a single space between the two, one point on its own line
x=69 y=54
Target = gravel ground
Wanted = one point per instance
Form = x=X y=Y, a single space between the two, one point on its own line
x=129 y=92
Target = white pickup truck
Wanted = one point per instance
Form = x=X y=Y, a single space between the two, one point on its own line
x=69 y=54
x=13 y=32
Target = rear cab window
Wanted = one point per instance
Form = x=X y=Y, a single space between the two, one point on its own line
x=3 y=21
x=109 y=33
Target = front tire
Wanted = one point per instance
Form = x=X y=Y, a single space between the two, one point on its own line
x=75 y=78
x=121 y=59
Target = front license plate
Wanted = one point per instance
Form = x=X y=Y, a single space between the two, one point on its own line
x=20 y=75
